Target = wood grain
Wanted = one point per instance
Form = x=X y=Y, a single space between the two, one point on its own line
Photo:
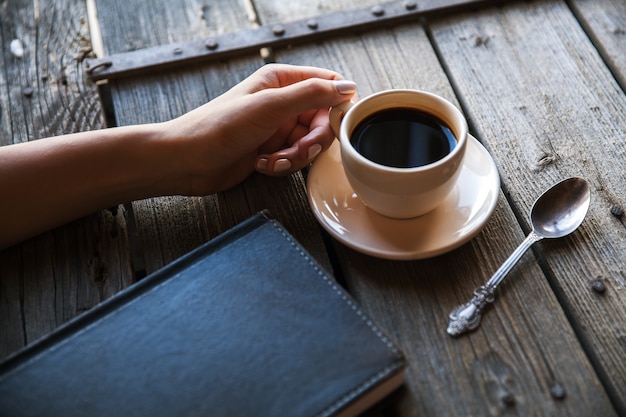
x=170 y=227
x=539 y=83
x=277 y=11
x=49 y=279
x=605 y=23
x=547 y=107
x=511 y=364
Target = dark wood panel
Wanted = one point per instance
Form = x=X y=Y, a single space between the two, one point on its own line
x=135 y=24
x=169 y=227
x=605 y=23
x=43 y=92
x=548 y=108
x=511 y=364
x=536 y=92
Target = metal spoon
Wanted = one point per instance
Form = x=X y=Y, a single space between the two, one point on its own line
x=556 y=213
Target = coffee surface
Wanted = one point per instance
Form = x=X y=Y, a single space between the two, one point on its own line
x=403 y=138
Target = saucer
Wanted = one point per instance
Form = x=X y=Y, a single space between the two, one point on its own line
x=464 y=212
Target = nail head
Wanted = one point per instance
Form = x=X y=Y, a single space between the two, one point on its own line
x=557 y=391
x=178 y=51
x=28 y=91
x=410 y=5
x=211 y=44
x=617 y=211
x=278 y=30
x=508 y=399
x=378 y=10
x=312 y=24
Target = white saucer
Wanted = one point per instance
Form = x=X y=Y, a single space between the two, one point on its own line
x=460 y=217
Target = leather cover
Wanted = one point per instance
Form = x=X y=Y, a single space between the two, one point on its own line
x=246 y=325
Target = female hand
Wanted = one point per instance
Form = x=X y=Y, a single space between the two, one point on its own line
x=275 y=121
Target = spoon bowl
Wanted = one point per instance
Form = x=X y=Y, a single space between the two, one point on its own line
x=556 y=213
x=560 y=210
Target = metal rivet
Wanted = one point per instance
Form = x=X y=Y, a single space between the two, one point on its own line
x=410 y=5
x=28 y=91
x=278 y=30
x=617 y=211
x=178 y=51
x=598 y=286
x=312 y=24
x=211 y=44
x=378 y=10
x=557 y=391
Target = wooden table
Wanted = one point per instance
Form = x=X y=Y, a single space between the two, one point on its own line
x=542 y=85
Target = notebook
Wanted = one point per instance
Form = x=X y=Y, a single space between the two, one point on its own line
x=246 y=325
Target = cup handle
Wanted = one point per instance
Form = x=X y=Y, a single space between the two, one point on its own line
x=336 y=115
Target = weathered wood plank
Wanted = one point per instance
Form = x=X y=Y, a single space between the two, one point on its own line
x=276 y=11
x=605 y=23
x=164 y=22
x=548 y=108
x=51 y=278
x=169 y=227
x=509 y=365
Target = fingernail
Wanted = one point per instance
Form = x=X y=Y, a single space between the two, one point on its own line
x=345 y=86
x=282 y=165
x=314 y=150
x=261 y=164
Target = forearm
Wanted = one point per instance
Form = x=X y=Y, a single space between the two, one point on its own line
x=48 y=182
x=276 y=121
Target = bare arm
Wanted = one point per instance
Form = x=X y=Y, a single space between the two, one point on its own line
x=276 y=122
x=51 y=181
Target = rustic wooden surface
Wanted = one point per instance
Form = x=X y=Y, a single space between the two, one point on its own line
x=605 y=23
x=49 y=279
x=497 y=35
x=170 y=227
x=540 y=85
x=558 y=113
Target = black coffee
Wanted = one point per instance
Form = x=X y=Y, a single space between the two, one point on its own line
x=403 y=138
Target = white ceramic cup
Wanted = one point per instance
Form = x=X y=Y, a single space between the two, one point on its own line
x=400 y=192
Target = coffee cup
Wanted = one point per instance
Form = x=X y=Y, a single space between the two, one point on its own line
x=401 y=150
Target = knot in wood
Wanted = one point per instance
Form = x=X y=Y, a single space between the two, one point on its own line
x=557 y=391
x=508 y=399
x=598 y=286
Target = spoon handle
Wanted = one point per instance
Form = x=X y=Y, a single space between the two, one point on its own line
x=467 y=317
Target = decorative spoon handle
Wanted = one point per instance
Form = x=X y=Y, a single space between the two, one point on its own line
x=467 y=317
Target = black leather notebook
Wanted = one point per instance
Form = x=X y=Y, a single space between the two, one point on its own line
x=246 y=325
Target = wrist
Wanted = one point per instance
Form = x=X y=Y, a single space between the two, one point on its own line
x=155 y=165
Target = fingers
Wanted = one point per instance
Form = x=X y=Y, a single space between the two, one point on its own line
x=282 y=75
x=308 y=102
x=293 y=102
x=314 y=93
x=298 y=156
